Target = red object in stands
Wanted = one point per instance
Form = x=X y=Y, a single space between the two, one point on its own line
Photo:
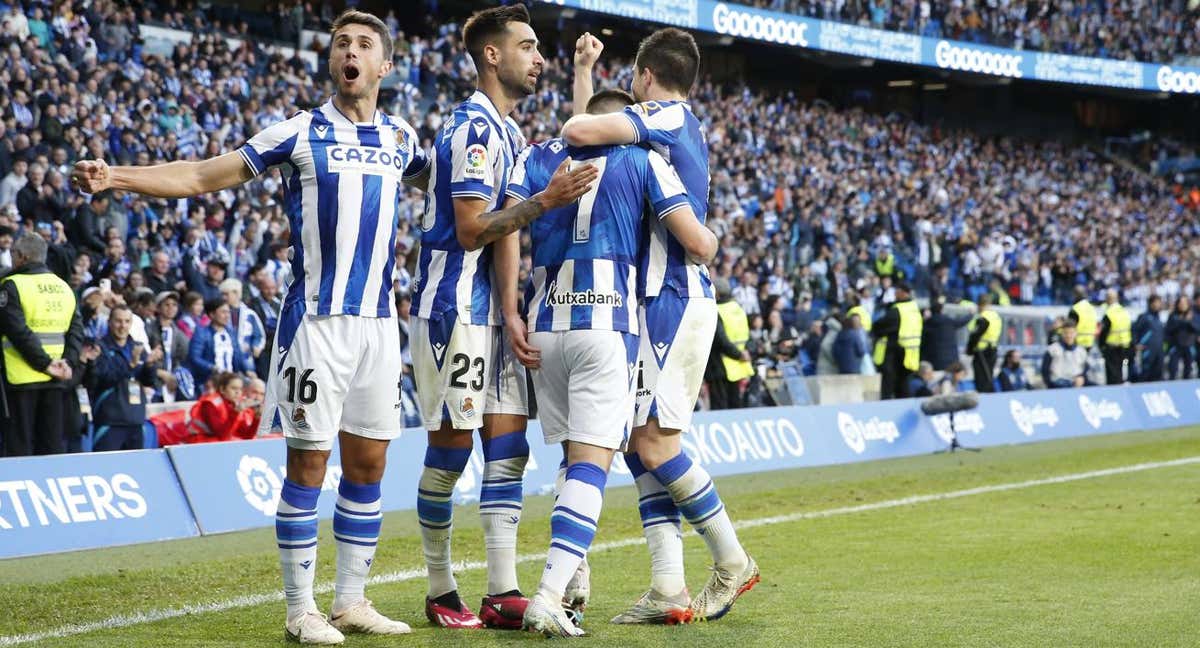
x=212 y=418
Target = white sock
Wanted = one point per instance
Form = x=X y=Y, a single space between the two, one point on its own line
x=696 y=496
x=356 y=521
x=664 y=537
x=435 y=512
x=296 y=536
x=500 y=500
x=572 y=526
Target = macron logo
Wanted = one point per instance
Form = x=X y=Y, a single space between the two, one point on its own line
x=320 y=130
x=306 y=564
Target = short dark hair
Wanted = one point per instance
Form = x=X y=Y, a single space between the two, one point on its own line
x=485 y=25
x=672 y=55
x=355 y=17
x=599 y=103
x=212 y=305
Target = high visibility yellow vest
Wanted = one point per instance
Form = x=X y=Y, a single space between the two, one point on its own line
x=737 y=329
x=863 y=316
x=1002 y=298
x=908 y=337
x=886 y=267
x=991 y=337
x=49 y=305
x=1086 y=314
x=1120 y=334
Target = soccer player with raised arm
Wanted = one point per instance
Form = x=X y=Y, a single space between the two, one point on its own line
x=336 y=365
x=679 y=318
x=465 y=380
x=582 y=319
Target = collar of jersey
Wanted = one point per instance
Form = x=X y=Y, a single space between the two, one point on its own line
x=335 y=115
x=482 y=100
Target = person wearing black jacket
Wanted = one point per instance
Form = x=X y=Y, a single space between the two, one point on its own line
x=115 y=380
x=85 y=228
x=939 y=338
x=36 y=383
x=1148 y=339
x=1181 y=333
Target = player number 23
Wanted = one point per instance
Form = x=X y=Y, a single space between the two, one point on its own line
x=463 y=363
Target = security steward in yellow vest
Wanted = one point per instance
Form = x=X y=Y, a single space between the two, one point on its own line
x=985 y=337
x=1084 y=316
x=1116 y=339
x=729 y=362
x=898 y=343
x=41 y=333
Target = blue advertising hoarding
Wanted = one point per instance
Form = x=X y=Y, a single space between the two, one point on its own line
x=67 y=502
x=84 y=501
x=740 y=21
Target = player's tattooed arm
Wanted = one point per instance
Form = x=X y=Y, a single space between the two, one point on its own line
x=172 y=180
x=476 y=229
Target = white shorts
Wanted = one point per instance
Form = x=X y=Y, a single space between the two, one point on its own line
x=509 y=393
x=677 y=335
x=335 y=372
x=464 y=371
x=585 y=386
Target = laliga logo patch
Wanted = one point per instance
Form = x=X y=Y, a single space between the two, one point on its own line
x=857 y=433
x=1160 y=404
x=476 y=156
x=260 y=485
x=1028 y=418
x=1095 y=412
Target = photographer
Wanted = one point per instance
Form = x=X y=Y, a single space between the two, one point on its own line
x=115 y=379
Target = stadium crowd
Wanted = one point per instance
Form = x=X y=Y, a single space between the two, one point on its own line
x=1153 y=31
x=818 y=209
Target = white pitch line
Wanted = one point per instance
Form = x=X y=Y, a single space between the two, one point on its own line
x=139 y=618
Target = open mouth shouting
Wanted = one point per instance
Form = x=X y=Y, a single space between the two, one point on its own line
x=350 y=71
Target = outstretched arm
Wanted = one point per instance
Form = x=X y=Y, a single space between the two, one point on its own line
x=597 y=130
x=171 y=180
x=476 y=229
x=587 y=50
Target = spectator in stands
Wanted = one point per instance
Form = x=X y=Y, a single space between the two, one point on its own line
x=85 y=229
x=14 y=182
x=214 y=348
x=923 y=382
x=1065 y=363
x=939 y=337
x=1012 y=374
x=951 y=380
x=850 y=346
x=192 y=317
x=6 y=241
x=207 y=284
x=826 y=360
x=172 y=340
x=223 y=414
x=115 y=381
x=161 y=277
x=267 y=306
x=251 y=336
x=1149 y=338
x=1181 y=335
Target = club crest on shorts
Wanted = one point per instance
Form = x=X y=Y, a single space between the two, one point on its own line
x=467 y=406
x=300 y=418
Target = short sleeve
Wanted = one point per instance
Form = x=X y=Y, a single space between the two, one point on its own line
x=656 y=123
x=664 y=188
x=420 y=159
x=274 y=145
x=474 y=146
x=520 y=186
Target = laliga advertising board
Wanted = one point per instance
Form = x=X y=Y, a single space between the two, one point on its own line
x=84 y=501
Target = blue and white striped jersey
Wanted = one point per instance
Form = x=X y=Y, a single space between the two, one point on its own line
x=342 y=190
x=472 y=158
x=585 y=254
x=670 y=128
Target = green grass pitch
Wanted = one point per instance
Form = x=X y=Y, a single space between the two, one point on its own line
x=1105 y=560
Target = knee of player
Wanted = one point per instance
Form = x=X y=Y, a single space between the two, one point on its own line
x=307 y=467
